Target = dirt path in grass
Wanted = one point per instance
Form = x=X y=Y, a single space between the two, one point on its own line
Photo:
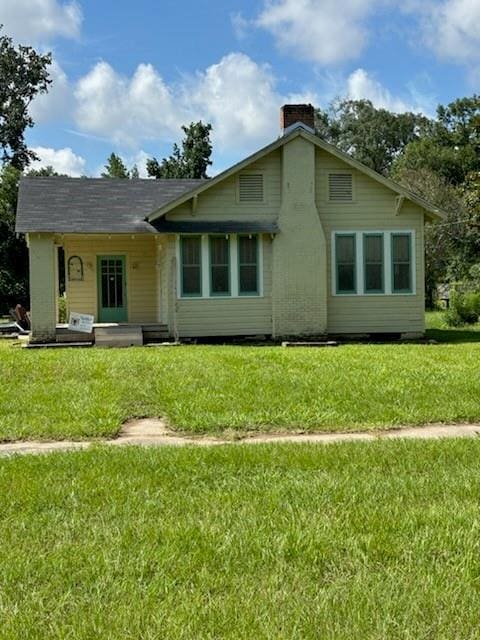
x=154 y=432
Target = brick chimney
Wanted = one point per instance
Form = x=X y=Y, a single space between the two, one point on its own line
x=291 y=114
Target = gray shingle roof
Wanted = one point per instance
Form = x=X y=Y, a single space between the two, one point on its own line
x=93 y=205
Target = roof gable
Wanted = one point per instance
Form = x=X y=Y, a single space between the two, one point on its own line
x=434 y=212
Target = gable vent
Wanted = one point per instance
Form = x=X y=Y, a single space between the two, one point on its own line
x=250 y=187
x=340 y=187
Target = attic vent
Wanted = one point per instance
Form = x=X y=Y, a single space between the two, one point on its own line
x=340 y=187
x=250 y=187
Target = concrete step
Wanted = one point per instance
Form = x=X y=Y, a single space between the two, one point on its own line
x=119 y=336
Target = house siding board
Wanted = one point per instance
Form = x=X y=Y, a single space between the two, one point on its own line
x=373 y=209
x=221 y=202
x=203 y=317
x=141 y=274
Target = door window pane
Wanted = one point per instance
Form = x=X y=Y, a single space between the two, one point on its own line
x=111 y=272
x=191 y=252
x=373 y=262
x=247 y=264
x=401 y=263
x=219 y=266
x=345 y=252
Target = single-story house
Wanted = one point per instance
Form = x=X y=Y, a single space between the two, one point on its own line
x=298 y=239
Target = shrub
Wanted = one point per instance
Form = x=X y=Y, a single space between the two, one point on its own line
x=62 y=310
x=464 y=309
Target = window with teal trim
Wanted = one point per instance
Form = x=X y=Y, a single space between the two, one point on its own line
x=248 y=265
x=373 y=267
x=219 y=266
x=401 y=263
x=191 y=257
x=345 y=252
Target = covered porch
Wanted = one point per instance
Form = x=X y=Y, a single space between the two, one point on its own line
x=118 y=279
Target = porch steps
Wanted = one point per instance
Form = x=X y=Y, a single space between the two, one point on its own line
x=130 y=335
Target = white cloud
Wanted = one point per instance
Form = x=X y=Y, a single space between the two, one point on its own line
x=38 y=21
x=124 y=109
x=240 y=25
x=324 y=31
x=452 y=30
x=57 y=103
x=62 y=161
x=236 y=95
x=363 y=86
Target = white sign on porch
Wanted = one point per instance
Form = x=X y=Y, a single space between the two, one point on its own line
x=80 y=322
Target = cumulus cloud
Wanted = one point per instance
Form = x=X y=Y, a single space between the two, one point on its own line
x=236 y=95
x=361 y=85
x=57 y=103
x=124 y=109
x=62 y=160
x=324 y=31
x=38 y=21
x=452 y=29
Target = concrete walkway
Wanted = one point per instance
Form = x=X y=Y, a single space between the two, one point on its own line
x=154 y=432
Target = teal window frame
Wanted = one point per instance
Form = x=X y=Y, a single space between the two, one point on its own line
x=382 y=263
x=220 y=294
x=345 y=292
x=182 y=292
x=257 y=264
x=410 y=260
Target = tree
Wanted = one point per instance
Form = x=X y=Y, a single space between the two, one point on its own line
x=191 y=161
x=115 y=168
x=45 y=172
x=13 y=250
x=375 y=137
x=23 y=74
x=451 y=147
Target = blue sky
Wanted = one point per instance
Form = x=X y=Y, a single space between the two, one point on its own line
x=128 y=75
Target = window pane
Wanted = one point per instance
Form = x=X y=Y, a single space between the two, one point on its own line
x=401 y=248
x=373 y=262
x=220 y=265
x=345 y=248
x=248 y=279
x=191 y=266
x=374 y=277
x=346 y=278
x=248 y=268
x=401 y=262
x=345 y=258
x=374 y=248
x=401 y=277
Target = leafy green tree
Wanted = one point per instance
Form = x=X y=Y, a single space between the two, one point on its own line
x=451 y=147
x=23 y=75
x=134 y=174
x=13 y=250
x=375 y=137
x=44 y=172
x=115 y=168
x=191 y=160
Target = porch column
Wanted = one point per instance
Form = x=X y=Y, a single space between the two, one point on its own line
x=42 y=287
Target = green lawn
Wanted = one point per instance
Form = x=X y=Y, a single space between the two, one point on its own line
x=353 y=541
x=80 y=393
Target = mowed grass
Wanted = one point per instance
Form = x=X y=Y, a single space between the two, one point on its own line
x=83 y=393
x=351 y=541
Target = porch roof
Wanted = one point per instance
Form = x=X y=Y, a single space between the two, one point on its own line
x=93 y=205
x=220 y=226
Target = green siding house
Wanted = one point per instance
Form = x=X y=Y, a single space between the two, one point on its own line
x=298 y=239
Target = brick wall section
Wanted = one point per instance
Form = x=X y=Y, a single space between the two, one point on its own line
x=42 y=287
x=299 y=250
x=292 y=113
